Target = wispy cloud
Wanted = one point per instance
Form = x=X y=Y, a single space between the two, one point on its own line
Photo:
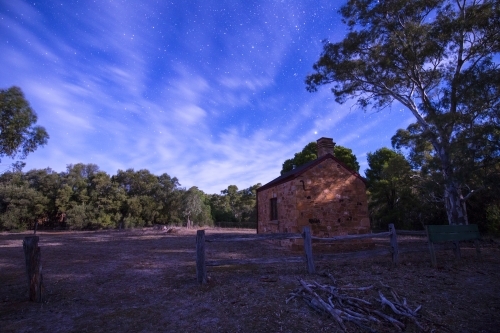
x=211 y=93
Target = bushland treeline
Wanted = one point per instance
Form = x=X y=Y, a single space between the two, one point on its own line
x=401 y=190
x=84 y=197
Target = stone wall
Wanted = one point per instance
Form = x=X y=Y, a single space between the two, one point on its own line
x=328 y=198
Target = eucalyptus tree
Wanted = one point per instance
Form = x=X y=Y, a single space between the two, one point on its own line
x=437 y=58
x=192 y=205
x=19 y=135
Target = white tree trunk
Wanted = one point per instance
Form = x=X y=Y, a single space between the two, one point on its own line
x=453 y=200
x=455 y=206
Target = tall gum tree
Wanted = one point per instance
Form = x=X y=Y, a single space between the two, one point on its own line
x=19 y=135
x=428 y=55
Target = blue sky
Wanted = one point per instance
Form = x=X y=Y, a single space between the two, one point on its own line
x=211 y=92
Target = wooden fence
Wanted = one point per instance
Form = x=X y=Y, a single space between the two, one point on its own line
x=236 y=225
x=412 y=233
x=201 y=263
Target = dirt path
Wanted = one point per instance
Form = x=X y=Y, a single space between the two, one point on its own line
x=144 y=281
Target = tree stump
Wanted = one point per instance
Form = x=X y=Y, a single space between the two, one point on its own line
x=33 y=258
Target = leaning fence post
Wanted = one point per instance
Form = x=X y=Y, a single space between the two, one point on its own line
x=456 y=249
x=33 y=258
x=431 y=247
x=308 y=250
x=394 y=244
x=201 y=270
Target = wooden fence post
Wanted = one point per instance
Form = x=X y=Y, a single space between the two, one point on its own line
x=394 y=244
x=33 y=258
x=431 y=248
x=201 y=269
x=308 y=250
x=456 y=250
x=478 y=249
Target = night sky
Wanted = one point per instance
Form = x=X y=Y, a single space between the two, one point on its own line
x=211 y=92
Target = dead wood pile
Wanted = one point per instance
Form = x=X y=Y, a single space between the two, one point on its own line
x=368 y=307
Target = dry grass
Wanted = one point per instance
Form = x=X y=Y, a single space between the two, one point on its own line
x=144 y=281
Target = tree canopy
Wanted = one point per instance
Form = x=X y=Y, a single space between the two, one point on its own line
x=438 y=58
x=19 y=135
x=310 y=153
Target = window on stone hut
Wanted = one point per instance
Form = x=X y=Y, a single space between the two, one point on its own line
x=274 y=209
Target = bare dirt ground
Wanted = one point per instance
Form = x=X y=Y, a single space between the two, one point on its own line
x=144 y=281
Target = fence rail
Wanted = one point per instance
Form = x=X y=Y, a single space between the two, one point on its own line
x=276 y=236
x=323 y=257
x=201 y=263
x=349 y=237
x=412 y=233
x=236 y=225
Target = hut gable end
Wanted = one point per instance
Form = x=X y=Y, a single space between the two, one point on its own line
x=322 y=194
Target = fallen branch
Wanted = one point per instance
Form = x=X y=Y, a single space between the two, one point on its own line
x=403 y=310
x=326 y=306
x=399 y=325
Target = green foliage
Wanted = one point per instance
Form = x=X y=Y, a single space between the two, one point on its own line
x=310 y=153
x=205 y=216
x=346 y=156
x=377 y=161
x=390 y=189
x=196 y=208
x=83 y=197
x=438 y=58
x=192 y=203
x=221 y=208
x=19 y=135
x=47 y=183
x=77 y=217
x=20 y=206
x=247 y=209
x=401 y=195
x=168 y=193
x=233 y=205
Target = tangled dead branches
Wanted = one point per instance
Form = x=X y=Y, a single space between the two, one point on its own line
x=334 y=301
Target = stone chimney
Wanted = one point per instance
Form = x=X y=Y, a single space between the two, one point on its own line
x=325 y=146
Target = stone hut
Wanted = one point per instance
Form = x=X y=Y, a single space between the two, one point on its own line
x=323 y=194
